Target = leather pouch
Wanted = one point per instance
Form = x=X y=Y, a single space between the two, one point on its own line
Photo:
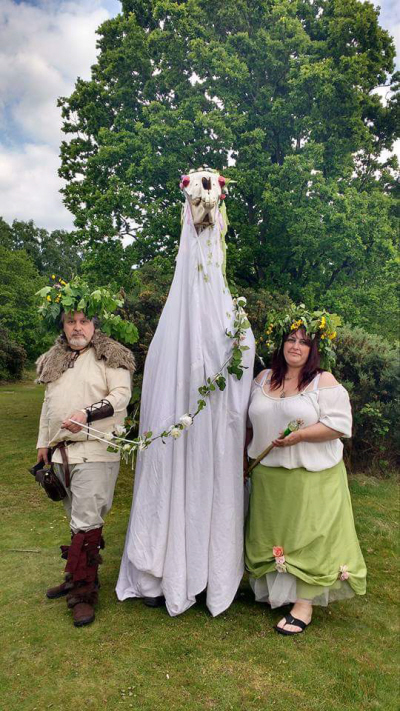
x=48 y=480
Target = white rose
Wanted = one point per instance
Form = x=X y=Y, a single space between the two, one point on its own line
x=108 y=436
x=186 y=420
x=126 y=447
x=120 y=430
x=281 y=568
x=175 y=432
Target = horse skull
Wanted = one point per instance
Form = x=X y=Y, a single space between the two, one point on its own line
x=203 y=188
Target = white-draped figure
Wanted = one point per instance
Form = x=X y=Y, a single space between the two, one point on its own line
x=185 y=531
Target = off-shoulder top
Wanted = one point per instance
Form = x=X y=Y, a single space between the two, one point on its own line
x=269 y=416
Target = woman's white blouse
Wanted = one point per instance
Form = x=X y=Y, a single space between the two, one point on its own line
x=269 y=416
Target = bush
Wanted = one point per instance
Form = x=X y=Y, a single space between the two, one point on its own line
x=144 y=304
x=12 y=357
x=367 y=366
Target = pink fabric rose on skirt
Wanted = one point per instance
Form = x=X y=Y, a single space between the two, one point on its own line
x=277 y=551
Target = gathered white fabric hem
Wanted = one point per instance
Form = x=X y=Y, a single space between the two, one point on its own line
x=280 y=589
x=147 y=585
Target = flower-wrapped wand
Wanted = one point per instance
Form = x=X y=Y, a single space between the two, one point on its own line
x=293 y=426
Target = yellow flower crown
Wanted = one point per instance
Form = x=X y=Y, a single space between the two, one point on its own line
x=317 y=324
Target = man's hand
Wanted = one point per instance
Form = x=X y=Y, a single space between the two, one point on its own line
x=79 y=416
x=43 y=455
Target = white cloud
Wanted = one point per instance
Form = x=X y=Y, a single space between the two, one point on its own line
x=44 y=47
x=29 y=187
x=389 y=18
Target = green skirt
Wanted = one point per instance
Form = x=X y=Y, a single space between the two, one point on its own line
x=301 y=541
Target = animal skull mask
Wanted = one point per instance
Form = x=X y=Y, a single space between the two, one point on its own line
x=203 y=188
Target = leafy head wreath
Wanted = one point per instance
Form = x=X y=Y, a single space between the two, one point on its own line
x=320 y=325
x=68 y=297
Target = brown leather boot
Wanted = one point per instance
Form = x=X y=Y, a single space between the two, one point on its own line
x=83 y=609
x=83 y=562
x=74 y=594
x=61 y=590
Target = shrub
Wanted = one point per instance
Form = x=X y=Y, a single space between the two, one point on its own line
x=144 y=304
x=12 y=357
x=367 y=366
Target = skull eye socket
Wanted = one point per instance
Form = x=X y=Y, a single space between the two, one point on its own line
x=206 y=183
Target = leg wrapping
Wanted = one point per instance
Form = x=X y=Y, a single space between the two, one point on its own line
x=83 y=555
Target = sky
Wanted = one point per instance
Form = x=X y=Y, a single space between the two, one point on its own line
x=44 y=46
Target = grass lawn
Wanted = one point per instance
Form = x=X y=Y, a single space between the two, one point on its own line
x=133 y=657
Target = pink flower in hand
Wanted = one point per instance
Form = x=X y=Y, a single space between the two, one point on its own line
x=277 y=551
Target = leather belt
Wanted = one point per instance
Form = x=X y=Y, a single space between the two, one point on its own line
x=62 y=446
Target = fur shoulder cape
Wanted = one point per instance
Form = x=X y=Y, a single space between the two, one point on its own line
x=52 y=364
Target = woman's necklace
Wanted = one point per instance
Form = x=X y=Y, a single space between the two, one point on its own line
x=283 y=394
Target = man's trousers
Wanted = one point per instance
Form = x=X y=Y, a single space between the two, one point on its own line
x=91 y=492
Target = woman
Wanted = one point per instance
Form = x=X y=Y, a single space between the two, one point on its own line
x=301 y=544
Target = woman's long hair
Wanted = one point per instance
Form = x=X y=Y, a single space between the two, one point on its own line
x=310 y=369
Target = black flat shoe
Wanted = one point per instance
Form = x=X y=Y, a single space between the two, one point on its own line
x=154 y=601
x=290 y=620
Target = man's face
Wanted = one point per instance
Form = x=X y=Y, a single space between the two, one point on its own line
x=78 y=329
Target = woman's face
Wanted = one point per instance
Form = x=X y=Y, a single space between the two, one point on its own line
x=296 y=349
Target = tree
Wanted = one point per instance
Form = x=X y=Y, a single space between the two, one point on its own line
x=284 y=91
x=51 y=252
x=19 y=318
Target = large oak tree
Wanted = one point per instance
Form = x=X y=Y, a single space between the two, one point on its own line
x=281 y=96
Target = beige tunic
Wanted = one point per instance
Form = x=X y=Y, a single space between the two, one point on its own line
x=89 y=381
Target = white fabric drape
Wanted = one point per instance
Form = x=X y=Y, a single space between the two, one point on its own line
x=186 y=527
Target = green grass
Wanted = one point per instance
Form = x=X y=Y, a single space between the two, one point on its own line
x=133 y=657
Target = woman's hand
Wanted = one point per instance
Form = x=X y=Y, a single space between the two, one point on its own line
x=312 y=433
x=289 y=441
x=79 y=416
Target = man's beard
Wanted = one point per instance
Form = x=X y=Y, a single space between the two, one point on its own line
x=81 y=341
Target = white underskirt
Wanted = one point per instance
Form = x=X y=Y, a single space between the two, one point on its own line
x=280 y=589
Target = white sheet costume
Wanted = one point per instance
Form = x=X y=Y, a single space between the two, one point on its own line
x=185 y=532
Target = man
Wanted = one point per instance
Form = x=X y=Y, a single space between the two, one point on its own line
x=88 y=379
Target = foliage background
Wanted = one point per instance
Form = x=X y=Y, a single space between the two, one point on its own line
x=283 y=98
